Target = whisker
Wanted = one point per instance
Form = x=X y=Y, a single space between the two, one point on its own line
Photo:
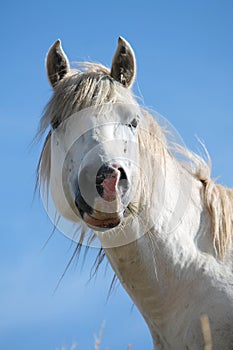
x=55 y=223
x=112 y=287
x=132 y=207
x=76 y=251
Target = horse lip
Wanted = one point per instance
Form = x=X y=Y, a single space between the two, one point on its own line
x=98 y=220
x=102 y=224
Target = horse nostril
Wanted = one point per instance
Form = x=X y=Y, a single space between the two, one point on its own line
x=110 y=179
x=123 y=175
x=100 y=189
x=103 y=172
x=123 y=184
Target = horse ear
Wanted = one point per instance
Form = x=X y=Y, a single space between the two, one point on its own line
x=124 y=63
x=57 y=63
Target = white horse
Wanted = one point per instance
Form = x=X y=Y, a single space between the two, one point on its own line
x=164 y=225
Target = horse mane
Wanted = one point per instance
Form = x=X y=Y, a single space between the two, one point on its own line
x=219 y=201
x=93 y=86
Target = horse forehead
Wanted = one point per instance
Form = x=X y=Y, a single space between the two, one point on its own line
x=81 y=122
x=98 y=139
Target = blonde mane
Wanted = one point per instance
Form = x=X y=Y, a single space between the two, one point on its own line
x=93 y=86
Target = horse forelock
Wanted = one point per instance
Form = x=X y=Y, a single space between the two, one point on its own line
x=95 y=87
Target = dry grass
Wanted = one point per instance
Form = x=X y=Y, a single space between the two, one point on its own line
x=97 y=347
x=73 y=347
x=99 y=338
x=97 y=341
x=205 y=326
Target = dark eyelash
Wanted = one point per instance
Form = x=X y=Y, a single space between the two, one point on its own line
x=133 y=124
x=55 y=124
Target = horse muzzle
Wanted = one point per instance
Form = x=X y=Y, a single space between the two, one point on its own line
x=102 y=196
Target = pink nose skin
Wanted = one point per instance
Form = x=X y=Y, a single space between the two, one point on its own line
x=111 y=182
x=110 y=185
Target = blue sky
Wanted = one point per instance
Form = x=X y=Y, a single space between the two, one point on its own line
x=184 y=56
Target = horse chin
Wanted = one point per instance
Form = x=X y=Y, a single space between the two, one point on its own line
x=102 y=224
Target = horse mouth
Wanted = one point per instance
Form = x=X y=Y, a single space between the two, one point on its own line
x=103 y=223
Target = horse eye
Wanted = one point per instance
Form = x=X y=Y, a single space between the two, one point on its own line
x=134 y=123
x=55 y=124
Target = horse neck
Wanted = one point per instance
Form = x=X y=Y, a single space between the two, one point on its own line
x=151 y=268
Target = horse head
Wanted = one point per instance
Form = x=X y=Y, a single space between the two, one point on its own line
x=94 y=145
